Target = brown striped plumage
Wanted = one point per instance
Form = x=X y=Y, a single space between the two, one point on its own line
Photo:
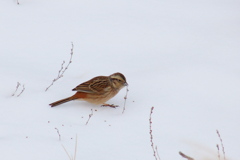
x=97 y=90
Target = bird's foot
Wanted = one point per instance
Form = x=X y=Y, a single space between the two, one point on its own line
x=109 y=105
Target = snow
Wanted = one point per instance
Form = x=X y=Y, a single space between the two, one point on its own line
x=182 y=57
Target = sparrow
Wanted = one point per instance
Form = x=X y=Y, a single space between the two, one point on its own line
x=97 y=90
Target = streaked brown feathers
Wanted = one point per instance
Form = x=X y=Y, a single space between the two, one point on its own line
x=97 y=90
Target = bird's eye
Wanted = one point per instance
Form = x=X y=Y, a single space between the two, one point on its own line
x=117 y=79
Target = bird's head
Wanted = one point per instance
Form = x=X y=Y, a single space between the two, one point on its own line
x=118 y=80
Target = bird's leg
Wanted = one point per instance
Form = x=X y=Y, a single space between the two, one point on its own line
x=109 y=105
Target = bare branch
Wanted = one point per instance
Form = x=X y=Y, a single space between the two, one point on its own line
x=75 y=152
x=155 y=154
x=89 y=116
x=67 y=152
x=125 y=99
x=59 y=136
x=59 y=75
x=218 y=152
x=62 y=69
x=185 y=156
x=219 y=136
x=70 y=61
x=18 y=84
x=21 y=91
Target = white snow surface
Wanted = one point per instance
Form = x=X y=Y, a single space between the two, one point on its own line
x=182 y=57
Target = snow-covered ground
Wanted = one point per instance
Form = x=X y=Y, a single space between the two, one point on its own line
x=182 y=57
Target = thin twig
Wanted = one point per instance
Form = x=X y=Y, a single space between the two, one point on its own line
x=75 y=151
x=58 y=77
x=18 y=2
x=219 y=136
x=59 y=72
x=18 y=84
x=125 y=99
x=70 y=61
x=155 y=154
x=59 y=136
x=185 y=156
x=66 y=152
x=218 y=152
x=62 y=69
x=89 y=116
x=21 y=91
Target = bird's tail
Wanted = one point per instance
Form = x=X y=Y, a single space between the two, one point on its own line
x=61 y=101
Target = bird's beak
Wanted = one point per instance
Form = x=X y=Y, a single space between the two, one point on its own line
x=126 y=84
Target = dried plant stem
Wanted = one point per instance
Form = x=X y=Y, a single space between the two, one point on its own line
x=62 y=69
x=223 y=150
x=70 y=61
x=75 y=151
x=17 y=87
x=155 y=154
x=185 y=156
x=125 y=99
x=59 y=72
x=21 y=91
x=89 y=116
x=67 y=152
x=218 y=152
x=59 y=135
x=18 y=2
x=18 y=84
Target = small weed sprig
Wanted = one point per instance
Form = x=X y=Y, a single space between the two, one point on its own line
x=21 y=91
x=218 y=151
x=223 y=150
x=185 y=156
x=154 y=148
x=89 y=116
x=157 y=152
x=125 y=99
x=75 y=152
x=18 y=85
x=62 y=69
x=59 y=135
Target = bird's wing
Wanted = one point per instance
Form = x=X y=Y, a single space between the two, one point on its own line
x=94 y=85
